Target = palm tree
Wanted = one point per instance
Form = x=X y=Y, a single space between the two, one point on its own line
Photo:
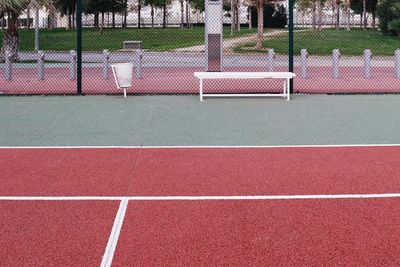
x=13 y=9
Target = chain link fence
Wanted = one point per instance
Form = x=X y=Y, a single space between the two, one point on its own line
x=337 y=48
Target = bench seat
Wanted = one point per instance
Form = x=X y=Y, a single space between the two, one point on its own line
x=286 y=76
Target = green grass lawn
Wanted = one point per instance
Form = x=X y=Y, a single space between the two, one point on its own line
x=351 y=42
x=157 y=39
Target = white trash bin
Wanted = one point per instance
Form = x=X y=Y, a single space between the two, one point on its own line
x=123 y=73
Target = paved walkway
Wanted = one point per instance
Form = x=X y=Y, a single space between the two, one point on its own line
x=228 y=44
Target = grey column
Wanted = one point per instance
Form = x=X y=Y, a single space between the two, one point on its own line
x=271 y=57
x=106 y=63
x=335 y=63
x=72 y=65
x=8 y=65
x=40 y=65
x=303 y=62
x=367 y=63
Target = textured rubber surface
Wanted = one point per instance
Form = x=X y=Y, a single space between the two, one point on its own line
x=261 y=233
x=66 y=172
x=53 y=233
x=267 y=171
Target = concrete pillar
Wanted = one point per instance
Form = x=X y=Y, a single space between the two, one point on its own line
x=8 y=65
x=40 y=65
x=106 y=63
x=335 y=63
x=303 y=62
x=271 y=58
x=72 y=64
x=367 y=63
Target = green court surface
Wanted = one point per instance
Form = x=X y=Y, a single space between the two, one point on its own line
x=185 y=121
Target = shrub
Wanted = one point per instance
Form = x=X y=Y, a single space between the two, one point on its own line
x=274 y=16
x=394 y=26
x=389 y=16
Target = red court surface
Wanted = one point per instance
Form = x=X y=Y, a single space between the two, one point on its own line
x=261 y=233
x=79 y=172
x=337 y=225
x=53 y=233
x=199 y=171
x=267 y=171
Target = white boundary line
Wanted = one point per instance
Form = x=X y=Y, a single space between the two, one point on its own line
x=114 y=236
x=176 y=147
x=198 y=198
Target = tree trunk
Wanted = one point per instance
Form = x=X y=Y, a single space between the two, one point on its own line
x=139 y=15
x=232 y=19
x=237 y=18
x=320 y=13
x=348 y=14
x=28 y=19
x=181 y=14
x=314 y=15
x=96 y=20
x=187 y=14
x=69 y=20
x=373 y=20
x=164 y=14
x=125 y=14
x=260 y=22
x=37 y=36
x=250 y=21
x=11 y=38
x=337 y=14
x=152 y=16
x=113 y=20
x=102 y=22
x=364 y=15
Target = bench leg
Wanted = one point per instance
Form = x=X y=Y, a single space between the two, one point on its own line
x=288 y=89
x=201 y=89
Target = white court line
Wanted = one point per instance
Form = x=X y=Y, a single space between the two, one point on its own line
x=174 y=147
x=58 y=198
x=198 y=198
x=114 y=236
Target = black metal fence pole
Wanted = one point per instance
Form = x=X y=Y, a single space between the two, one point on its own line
x=79 y=46
x=291 y=42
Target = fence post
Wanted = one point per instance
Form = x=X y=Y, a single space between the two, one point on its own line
x=397 y=63
x=367 y=63
x=79 y=46
x=106 y=63
x=291 y=43
x=138 y=59
x=271 y=57
x=8 y=65
x=72 y=65
x=303 y=62
x=40 y=65
x=335 y=61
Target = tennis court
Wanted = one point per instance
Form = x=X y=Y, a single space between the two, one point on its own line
x=89 y=181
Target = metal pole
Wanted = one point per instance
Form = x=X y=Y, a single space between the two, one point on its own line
x=79 y=46
x=291 y=43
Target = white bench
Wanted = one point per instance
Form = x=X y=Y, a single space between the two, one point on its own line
x=286 y=76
